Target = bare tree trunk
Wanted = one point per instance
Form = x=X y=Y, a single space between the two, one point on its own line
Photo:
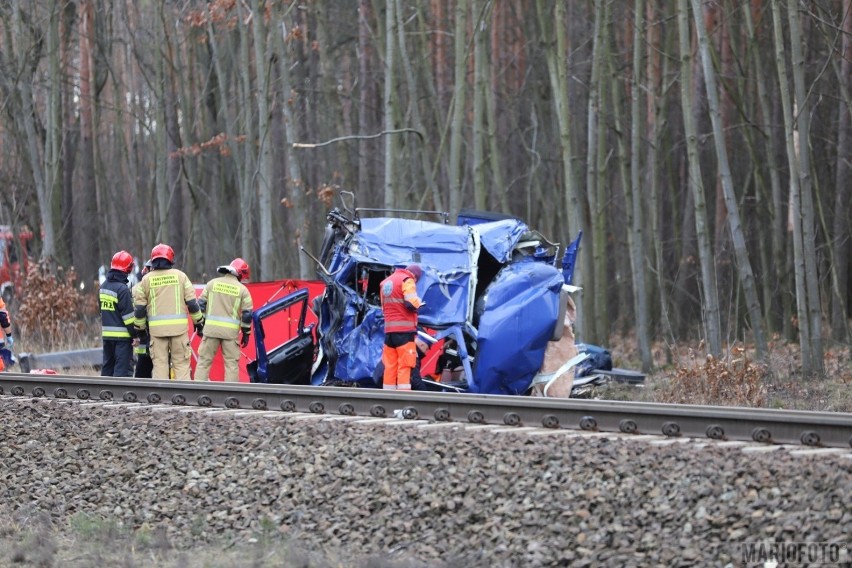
x=26 y=54
x=265 y=168
x=480 y=192
x=636 y=228
x=85 y=244
x=456 y=173
x=594 y=139
x=778 y=216
x=705 y=254
x=164 y=234
x=744 y=270
x=365 y=96
x=53 y=126
x=808 y=363
x=226 y=107
x=295 y=183
x=556 y=54
x=247 y=185
x=422 y=153
x=841 y=233
x=657 y=102
x=808 y=219
x=627 y=305
x=498 y=182
x=390 y=141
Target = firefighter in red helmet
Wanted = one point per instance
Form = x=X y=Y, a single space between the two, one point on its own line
x=227 y=307
x=399 y=306
x=117 y=329
x=162 y=300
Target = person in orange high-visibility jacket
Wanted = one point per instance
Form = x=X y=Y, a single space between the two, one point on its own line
x=399 y=306
x=227 y=306
x=162 y=300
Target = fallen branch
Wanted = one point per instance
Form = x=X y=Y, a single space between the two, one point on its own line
x=357 y=137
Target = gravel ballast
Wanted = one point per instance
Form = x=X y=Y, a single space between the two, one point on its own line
x=409 y=496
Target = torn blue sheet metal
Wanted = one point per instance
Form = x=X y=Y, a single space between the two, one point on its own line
x=493 y=285
x=518 y=317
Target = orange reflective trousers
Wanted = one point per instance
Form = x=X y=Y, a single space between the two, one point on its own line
x=399 y=361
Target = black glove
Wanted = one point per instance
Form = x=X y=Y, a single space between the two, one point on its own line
x=199 y=328
x=245 y=340
x=143 y=338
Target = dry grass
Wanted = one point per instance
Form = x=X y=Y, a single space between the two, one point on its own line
x=737 y=378
x=733 y=381
x=31 y=540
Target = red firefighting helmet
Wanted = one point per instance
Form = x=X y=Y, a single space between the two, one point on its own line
x=163 y=251
x=122 y=261
x=241 y=268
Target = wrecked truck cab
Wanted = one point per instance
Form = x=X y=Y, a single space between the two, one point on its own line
x=490 y=286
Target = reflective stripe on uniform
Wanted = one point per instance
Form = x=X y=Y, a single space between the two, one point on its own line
x=110 y=331
x=128 y=318
x=158 y=321
x=230 y=323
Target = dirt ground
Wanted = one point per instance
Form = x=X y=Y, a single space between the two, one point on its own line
x=89 y=543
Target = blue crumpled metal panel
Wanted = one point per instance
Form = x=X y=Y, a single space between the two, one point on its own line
x=360 y=347
x=500 y=237
x=517 y=319
x=444 y=252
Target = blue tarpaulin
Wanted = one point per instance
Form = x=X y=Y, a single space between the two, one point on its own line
x=506 y=306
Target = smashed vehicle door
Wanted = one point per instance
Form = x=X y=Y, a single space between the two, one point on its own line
x=289 y=363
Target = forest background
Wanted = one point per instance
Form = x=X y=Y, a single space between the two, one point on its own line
x=703 y=147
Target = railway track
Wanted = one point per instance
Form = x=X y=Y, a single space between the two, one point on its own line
x=767 y=426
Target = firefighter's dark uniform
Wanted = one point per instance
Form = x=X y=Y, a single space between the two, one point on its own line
x=144 y=365
x=399 y=306
x=116 y=325
x=162 y=300
x=227 y=306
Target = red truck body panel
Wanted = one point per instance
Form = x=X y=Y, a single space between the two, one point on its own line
x=280 y=328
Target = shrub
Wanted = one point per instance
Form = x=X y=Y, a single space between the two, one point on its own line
x=727 y=382
x=52 y=311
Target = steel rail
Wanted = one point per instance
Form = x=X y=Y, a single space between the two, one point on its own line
x=769 y=426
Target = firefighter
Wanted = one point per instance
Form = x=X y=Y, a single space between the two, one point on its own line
x=6 y=340
x=162 y=300
x=144 y=365
x=399 y=306
x=227 y=305
x=117 y=328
